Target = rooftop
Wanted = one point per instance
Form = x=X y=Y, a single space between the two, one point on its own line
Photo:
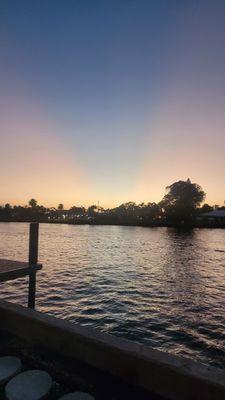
x=214 y=214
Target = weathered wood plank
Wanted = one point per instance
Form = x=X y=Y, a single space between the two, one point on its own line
x=12 y=269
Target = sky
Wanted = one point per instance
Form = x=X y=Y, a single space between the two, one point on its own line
x=111 y=101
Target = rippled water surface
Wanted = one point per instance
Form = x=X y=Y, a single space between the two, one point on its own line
x=156 y=286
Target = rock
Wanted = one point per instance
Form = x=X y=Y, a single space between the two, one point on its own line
x=29 y=385
x=9 y=367
x=77 y=396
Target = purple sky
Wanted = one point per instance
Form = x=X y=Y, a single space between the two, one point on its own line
x=111 y=100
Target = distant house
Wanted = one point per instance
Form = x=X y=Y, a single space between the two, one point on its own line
x=216 y=217
x=214 y=214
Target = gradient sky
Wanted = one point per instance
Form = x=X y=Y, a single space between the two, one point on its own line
x=111 y=100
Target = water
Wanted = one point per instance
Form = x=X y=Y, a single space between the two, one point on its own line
x=155 y=286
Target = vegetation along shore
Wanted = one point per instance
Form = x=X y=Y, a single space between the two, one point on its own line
x=181 y=206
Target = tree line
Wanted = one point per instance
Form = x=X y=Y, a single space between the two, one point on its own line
x=181 y=205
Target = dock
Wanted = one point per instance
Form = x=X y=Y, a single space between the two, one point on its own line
x=12 y=269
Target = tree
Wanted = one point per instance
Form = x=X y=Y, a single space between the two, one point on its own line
x=76 y=211
x=181 y=201
x=206 y=208
x=152 y=210
x=32 y=203
x=7 y=212
x=92 y=210
x=60 y=207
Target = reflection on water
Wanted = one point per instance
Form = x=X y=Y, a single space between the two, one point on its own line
x=157 y=286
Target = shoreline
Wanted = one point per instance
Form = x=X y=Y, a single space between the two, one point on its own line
x=152 y=225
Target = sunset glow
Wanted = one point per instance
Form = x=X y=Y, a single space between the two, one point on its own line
x=112 y=101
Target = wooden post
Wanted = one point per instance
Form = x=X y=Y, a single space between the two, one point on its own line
x=33 y=259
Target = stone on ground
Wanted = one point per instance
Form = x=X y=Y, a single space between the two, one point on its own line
x=29 y=385
x=9 y=367
x=77 y=396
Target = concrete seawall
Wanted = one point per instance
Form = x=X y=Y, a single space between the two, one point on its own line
x=157 y=372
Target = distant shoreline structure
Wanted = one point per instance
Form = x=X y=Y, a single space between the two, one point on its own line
x=198 y=224
x=181 y=207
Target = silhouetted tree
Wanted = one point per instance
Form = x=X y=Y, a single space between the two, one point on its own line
x=92 y=210
x=152 y=211
x=181 y=201
x=206 y=208
x=60 y=207
x=7 y=212
x=77 y=211
x=32 y=203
